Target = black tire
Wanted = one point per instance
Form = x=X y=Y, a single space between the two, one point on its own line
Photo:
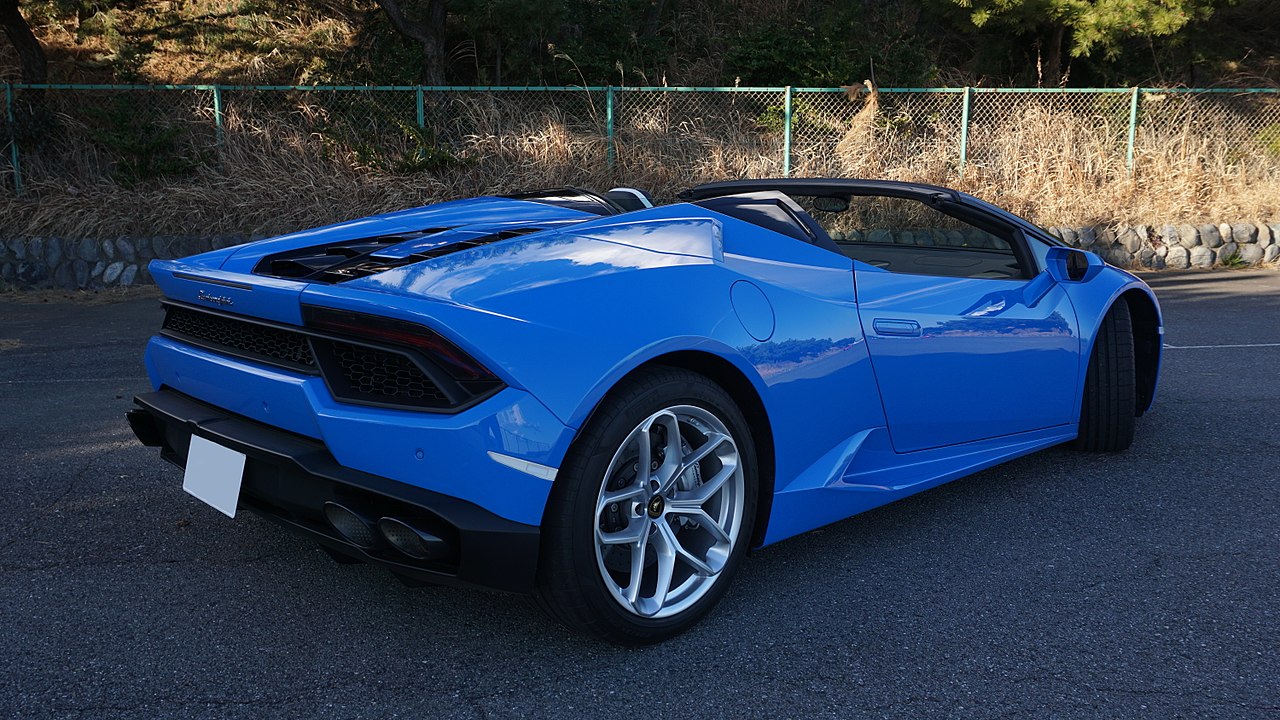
x=1107 y=411
x=571 y=587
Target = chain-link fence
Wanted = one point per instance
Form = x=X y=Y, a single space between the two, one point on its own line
x=661 y=138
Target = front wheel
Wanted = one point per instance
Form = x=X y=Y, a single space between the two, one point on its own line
x=652 y=512
x=1109 y=407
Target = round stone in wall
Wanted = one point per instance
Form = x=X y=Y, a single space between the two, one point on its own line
x=1118 y=256
x=1147 y=257
x=1188 y=236
x=1178 y=258
x=1130 y=238
x=1244 y=233
x=112 y=272
x=1271 y=253
x=1202 y=256
x=125 y=247
x=1251 y=253
x=87 y=250
x=1209 y=236
x=1229 y=252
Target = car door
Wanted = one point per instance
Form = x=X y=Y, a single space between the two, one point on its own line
x=968 y=339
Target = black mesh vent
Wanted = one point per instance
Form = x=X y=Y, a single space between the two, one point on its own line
x=385 y=372
x=380 y=376
x=239 y=337
x=355 y=259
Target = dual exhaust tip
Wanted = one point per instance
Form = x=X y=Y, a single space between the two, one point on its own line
x=365 y=533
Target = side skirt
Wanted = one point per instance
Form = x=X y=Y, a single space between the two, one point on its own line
x=864 y=473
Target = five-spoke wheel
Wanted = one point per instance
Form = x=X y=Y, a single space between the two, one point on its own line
x=652 y=511
x=669 y=511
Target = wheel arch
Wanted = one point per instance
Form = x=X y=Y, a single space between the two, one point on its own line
x=729 y=376
x=1147 y=342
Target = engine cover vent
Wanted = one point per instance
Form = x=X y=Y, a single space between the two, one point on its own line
x=353 y=259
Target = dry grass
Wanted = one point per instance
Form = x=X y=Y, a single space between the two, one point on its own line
x=300 y=162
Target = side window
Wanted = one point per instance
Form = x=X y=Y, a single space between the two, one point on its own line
x=906 y=236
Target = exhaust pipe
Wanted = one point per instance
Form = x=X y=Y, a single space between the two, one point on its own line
x=352 y=526
x=414 y=542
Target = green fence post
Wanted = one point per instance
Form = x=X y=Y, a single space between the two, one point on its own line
x=610 y=149
x=13 y=139
x=1133 y=129
x=422 y=110
x=964 y=127
x=217 y=114
x=786 y=133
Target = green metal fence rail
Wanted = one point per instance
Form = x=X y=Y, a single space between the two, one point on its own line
x=57 y=132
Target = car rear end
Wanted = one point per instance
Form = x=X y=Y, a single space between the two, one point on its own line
x=365 y=420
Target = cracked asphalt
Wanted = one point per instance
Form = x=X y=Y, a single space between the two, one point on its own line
x=1061 y=585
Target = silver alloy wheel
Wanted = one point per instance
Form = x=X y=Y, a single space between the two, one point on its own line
x=669 y=511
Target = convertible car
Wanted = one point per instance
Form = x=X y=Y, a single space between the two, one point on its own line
x=607 y=403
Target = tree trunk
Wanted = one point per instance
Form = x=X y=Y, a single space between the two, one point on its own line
x=30 y=53
x=653 y=19
x=428 y=34
x=1053 y=55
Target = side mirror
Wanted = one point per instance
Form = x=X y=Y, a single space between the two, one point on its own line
x=1069 y=265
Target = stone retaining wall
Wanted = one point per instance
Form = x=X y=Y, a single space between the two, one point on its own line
x=84 y=263
x=1178 y=247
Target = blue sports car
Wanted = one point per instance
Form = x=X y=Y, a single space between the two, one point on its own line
x=607 y=402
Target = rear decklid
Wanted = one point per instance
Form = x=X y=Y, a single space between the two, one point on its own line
x=266 y=279
x=405 y=230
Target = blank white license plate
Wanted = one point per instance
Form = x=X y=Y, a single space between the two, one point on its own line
x=213 y=474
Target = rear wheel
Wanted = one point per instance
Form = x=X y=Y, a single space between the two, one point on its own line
x=652 y=512
x=1108 y=408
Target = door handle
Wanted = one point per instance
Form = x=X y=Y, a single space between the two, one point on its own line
x=903 y=328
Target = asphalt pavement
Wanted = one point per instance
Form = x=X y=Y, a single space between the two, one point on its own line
x=1061 y=585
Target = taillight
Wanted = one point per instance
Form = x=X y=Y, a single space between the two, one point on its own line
x=469 y=378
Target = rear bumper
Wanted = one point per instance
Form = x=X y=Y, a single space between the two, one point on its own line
x=289 y=478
